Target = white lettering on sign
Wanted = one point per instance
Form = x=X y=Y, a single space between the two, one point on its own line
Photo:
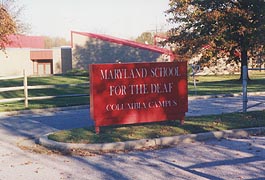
x=117 y=90
x=164 y=72
x=136 y=105
x=138 y=89
x=159 y=72
x=115 y=107
x=123 y=73
x=141 y=105
x=129 y=87
x=161 y=88
x=158 y=104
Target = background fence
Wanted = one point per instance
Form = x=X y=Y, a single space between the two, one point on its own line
x=26 y=89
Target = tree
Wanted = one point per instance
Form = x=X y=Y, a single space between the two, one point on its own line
x=221 y=25
x=7 y=26
x=9 y=21
x=51 y=42
x=146 y=38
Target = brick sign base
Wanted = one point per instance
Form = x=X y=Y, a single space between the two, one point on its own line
x=138 y=92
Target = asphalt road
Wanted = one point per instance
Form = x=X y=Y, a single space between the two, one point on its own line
x=215 y=159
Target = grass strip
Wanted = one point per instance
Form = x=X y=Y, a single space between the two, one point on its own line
x=193 y=125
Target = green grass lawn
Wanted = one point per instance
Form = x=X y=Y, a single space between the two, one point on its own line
x=46 y=80
x=225 y=84
x=155 y=130
x=206 y=85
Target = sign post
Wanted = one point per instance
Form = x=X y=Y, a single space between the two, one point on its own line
x=130 y=93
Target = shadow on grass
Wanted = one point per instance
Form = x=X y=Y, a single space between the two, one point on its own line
x=230 y=86
x=193 y=125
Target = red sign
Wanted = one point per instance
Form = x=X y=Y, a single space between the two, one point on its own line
x=138 y=92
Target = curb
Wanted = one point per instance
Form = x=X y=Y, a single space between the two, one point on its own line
x=147 y=143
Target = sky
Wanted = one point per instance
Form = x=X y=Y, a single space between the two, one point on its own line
x=120 y=18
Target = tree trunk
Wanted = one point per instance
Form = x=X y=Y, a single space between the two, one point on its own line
x=244 y=60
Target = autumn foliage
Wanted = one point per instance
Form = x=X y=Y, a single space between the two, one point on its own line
x=220 y=25
x=7 y=26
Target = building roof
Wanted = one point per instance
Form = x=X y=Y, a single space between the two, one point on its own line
x=22 y=41
x=124 y=42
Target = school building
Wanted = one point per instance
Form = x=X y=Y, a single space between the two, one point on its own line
x=28 y=53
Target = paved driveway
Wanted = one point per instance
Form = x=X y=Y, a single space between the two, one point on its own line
x=225 y=159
